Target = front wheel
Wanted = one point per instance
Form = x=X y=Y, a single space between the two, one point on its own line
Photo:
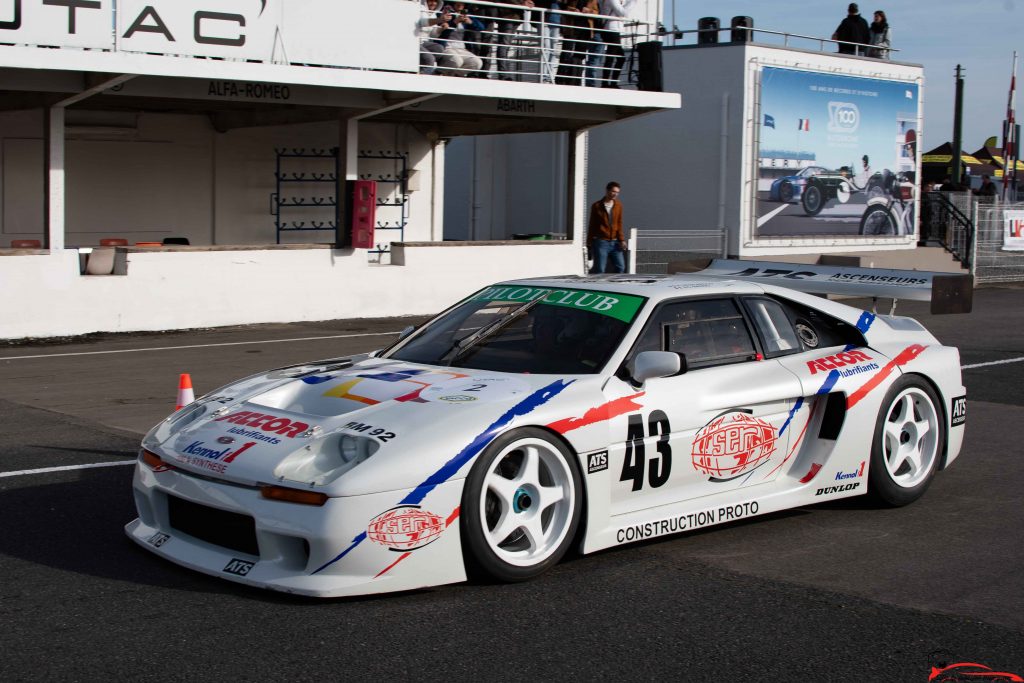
x=910 y=436
x=878 y=220
x=521 y=506
x=813 y=199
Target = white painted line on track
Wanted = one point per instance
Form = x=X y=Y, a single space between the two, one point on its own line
x=47 y=470
x=768 y=216
x=201 y=346
x=995 y=362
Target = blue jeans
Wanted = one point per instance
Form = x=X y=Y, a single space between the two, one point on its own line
x=603 y=249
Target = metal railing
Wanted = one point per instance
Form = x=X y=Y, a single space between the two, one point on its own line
x=651 y=251
x=992 y=263
x=770 y=37
x=946 y=219
x=514 y=43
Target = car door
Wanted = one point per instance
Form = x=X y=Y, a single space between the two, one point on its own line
x=717 y=426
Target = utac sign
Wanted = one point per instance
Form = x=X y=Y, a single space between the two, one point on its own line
x=238 y=29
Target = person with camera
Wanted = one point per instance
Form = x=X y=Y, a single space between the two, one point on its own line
x=448 y=31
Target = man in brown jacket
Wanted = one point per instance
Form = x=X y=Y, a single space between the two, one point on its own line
x=604 y=232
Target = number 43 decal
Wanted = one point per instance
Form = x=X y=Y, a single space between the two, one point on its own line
x=633 y=464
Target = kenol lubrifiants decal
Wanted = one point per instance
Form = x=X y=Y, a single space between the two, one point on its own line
x=853 y=474
x=200 y=455
x=687 y=522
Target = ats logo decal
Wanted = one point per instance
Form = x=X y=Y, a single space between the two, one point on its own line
x=238 y=567
x=731 y=445
x=406 y=527
x=597 y=462
x=959 y=412
x=158 y=539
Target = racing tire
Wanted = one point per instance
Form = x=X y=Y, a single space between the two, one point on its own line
x=909 y=440
x=786 y=191
x=813 y=199
x=521 y=506
x=878 y=220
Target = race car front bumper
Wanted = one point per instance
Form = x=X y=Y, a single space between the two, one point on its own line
x=353 y=545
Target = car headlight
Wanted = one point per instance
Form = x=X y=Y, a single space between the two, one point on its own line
x=355 y=449
x=322 y=462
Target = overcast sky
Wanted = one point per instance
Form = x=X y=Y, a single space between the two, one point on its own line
x=979 y=34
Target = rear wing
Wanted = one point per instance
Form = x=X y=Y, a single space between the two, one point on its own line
x=947 y=292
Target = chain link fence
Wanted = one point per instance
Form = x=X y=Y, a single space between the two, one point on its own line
x=992 y=263
x=650 y=251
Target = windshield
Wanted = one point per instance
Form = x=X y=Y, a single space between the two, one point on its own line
x=526 y=329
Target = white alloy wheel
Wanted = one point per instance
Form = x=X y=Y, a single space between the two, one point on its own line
x=526 y=502
x=521 y=505
x=911 y=438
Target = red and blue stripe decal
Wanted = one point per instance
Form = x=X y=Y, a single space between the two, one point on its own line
x=475 y=447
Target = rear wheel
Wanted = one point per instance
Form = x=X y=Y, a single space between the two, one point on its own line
x=786 y=191
x=813 y=199
x=878 y=220
x=521 y=506
x=910 y=436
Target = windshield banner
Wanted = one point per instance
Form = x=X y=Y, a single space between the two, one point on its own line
x=619 y=306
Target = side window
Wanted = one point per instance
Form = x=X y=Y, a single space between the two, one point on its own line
x=817 y=330
x=710 y=332
x=778 y=336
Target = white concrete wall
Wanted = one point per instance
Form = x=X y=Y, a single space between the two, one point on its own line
x=198 y=288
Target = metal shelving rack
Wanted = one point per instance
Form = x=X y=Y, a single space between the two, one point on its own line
x=282 y=206
x=396 y=199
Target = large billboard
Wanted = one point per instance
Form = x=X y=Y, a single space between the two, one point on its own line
x=836 y=155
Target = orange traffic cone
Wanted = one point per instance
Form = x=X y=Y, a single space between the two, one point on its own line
x=185 y=393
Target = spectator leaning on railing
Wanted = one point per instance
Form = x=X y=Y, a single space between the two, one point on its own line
x=574 y=29
x=447 y=29
x=508 y=20
x=612 y=36
x=880 y=39
x=852 y=34
x=434 y=55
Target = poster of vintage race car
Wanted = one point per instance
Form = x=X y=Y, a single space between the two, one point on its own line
x=852 y=138
x=549 y=415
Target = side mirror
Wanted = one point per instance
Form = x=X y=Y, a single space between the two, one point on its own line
x=652 y=364
x=406 y=332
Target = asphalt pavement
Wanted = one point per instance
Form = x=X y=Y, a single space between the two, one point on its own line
x=842 y=591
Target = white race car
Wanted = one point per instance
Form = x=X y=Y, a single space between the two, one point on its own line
x=543 y=414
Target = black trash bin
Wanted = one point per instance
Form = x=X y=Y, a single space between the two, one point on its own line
x=741 y=32
x=708 y=27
